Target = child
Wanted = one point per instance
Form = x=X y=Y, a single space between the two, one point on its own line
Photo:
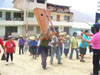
x=10 y=49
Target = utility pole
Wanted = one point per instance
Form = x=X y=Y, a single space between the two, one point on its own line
x=26 y=16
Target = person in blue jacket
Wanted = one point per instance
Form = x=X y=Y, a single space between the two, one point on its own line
x=33 y=46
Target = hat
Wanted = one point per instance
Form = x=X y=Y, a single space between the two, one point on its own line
x=37 y=37
x=68 y=36
x=21 y=35
x=32 y=38
x=61 y=34
x=9 y=37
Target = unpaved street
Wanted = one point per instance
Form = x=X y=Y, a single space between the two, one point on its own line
x=26 y=65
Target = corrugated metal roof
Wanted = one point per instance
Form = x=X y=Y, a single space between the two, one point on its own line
x=10 y=9
x=56 y=23
x=78 y=25
x=81 y=25
x=58 y=5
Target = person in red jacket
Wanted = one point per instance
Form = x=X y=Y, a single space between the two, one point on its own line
x=2 y=44
x=10 y=48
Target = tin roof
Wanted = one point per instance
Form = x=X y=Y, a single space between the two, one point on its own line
x=10 y=9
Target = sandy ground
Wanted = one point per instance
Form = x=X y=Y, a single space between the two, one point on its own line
x=26 y=65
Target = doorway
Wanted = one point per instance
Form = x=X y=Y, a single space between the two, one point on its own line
x=58 y=17
x=8 y=16
x=11 y=29
x=66 y=29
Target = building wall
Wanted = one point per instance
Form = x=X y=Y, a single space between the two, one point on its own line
x=57 y=8
x=36 y=5
x=54 y=14
x=19 y=4
x=32 y=19
x=2 y=31
x=3 y=15
x=3 y=18
x=23 y=4
x=19 y=32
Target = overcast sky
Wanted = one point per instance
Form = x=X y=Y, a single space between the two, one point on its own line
x=86 y=6
x=6 y=3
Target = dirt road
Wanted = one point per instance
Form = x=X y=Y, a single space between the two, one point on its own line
x=26 y=65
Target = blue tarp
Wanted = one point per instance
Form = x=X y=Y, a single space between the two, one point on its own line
x=97 y=20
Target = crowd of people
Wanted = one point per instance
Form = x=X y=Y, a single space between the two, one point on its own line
x=55 y=43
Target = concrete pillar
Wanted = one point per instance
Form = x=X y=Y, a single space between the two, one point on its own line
x=12 y=15
x=35 y=29
x=35 y=1
x=4 y=15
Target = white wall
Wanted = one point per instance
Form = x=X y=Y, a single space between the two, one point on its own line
x=20 y=30
x=2 y=31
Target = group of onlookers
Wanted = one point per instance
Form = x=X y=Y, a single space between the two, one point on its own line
x=30 y=44
x=51 y=43
x=48 y=45
x=59 y=43
x=56 y=44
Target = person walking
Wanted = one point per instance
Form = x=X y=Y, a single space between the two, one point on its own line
x=33 y=46
x=55 y=49
x=21 y=44
x=74 y=46
x=43 y=49
x=10 y=49
x=83 y=47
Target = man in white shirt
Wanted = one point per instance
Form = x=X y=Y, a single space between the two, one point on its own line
x=55 y=49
